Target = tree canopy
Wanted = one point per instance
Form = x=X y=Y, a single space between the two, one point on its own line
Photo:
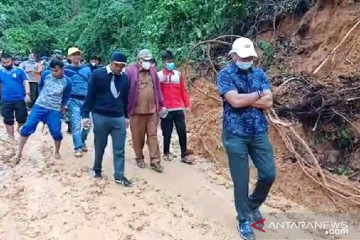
x=100 y=26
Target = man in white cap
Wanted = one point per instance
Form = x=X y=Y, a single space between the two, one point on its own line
x=246 y=93
x=79 y=75
x=145 y=103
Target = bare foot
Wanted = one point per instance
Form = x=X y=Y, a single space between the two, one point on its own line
x=17 y=159
x=57 y=156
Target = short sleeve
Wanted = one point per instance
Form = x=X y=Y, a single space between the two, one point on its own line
x=22 y=75
x=265 y=85
x=225 y=82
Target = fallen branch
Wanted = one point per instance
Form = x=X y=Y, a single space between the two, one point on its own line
x=206 y=94
x=336 y=48
x=209 y=57
x=210 y=153
x=288 y=81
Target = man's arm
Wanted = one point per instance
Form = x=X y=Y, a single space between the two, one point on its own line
x=67 y=92
x=228 y=90
x=184 y=95
x=90 y=98
x=157 y=85
x=25 y=83
x=265 y=101
x=241 y=100
x=42 y=80
x=125 y=97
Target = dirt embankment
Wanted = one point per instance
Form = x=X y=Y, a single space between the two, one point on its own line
x=321 y=52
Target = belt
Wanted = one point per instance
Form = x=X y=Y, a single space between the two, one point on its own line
x=78 y=97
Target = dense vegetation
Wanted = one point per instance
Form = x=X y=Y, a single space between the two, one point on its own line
x=99 y=26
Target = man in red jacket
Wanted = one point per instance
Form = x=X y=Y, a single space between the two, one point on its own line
x=176 y=100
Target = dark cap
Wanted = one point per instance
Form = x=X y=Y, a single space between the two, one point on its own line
x=118 y=57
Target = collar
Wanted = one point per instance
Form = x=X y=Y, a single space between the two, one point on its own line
x=167 y=72
x=108 y=70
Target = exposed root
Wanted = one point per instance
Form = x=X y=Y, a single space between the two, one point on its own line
x=210 y=153
x=336 y=48
x=313 y=170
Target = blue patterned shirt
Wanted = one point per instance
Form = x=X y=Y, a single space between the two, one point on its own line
x=53 y=92
x=247 y=121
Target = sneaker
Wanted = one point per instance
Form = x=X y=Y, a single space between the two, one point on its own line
x=187 y=160
x=245 y=231
x=167 y=157
x=157 y=167
x=96 y=174
x=85 y=149
x=78 y=154
x=256 y=216
x=123 y=181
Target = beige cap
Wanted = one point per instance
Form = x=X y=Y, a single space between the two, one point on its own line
x=145 y=54
x=73 y=50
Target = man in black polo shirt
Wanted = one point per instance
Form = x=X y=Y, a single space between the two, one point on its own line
x=107 y=100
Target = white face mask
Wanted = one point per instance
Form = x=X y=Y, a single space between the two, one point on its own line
x=244 y=65
x=146 y=65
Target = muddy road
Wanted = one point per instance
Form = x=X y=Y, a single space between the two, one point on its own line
x=44 y=198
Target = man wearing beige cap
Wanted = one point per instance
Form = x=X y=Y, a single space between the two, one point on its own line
x=246 y=93
x=145 y=103
x=79 y=75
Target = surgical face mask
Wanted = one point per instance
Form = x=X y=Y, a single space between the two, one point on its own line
x=170 y=66
x=244 y=65
x=93 y=64
x=146 y=65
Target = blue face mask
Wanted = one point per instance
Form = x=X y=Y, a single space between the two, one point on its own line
x=244 y=65
x=170 y=66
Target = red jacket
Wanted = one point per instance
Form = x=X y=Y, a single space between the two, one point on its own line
x=173 y=89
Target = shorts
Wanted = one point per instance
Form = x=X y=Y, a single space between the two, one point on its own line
x=14 y=110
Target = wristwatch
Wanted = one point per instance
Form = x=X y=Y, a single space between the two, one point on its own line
x=260 y=93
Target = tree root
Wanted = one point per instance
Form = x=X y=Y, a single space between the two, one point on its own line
x=344 y=191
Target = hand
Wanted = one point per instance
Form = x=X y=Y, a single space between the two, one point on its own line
x=27 y=98
x=86 y=122
x=127 y=122
x=188 y=110
x=62 y=109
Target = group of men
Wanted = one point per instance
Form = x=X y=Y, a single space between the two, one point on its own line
x=111 y=98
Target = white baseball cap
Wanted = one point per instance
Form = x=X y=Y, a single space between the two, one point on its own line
x=244 y=48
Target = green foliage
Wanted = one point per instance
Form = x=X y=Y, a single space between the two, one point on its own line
x=268 y=51
x=100 y=26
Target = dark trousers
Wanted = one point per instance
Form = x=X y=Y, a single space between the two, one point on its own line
x=34 y=93
x=261 y=152
x=167 y=125
x=103 y=127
